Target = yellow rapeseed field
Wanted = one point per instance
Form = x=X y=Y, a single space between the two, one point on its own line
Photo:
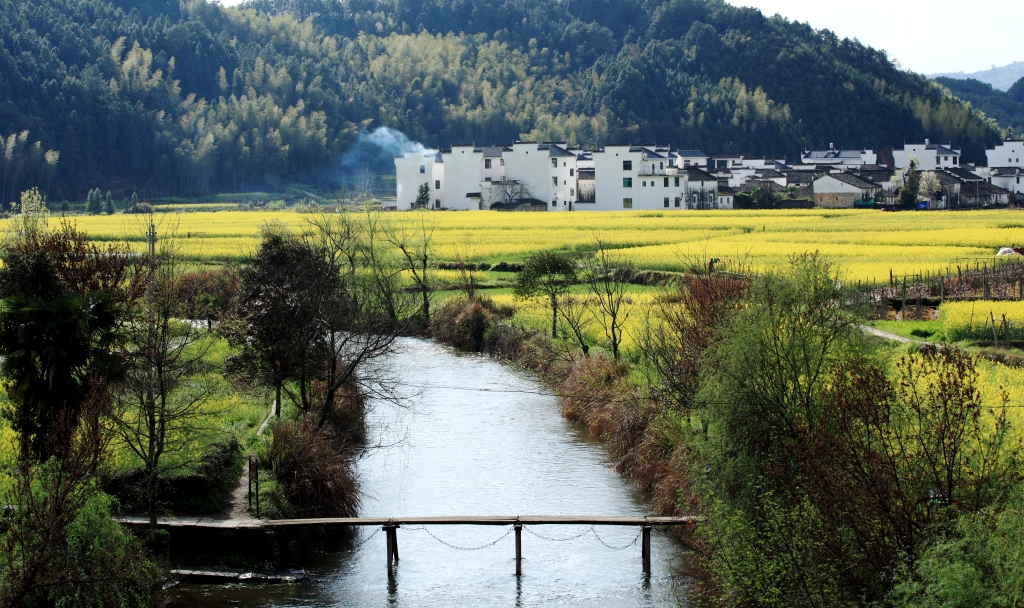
x=967 y=320
x=868 y=244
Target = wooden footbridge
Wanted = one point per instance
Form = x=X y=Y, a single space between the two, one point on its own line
x=391 y=525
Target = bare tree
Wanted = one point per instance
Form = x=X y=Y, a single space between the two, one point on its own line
x=511 y=190
x=608 y=279
x=161 y=406
x=466 y=270
x=577 y=311
x=362 y=181
x=414 y=241
x=361 y=311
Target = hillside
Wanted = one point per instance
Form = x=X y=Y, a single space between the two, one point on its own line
x=192 y=98
x=1001 y=78
x=1006 y=108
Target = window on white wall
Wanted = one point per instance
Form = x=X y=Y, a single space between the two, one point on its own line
x=572 y=172
x=487 y=163
x=666 y=182
x=423 y=169
x=554 y=163
x=627 y=182
x=554 y=181
x=437 y=184
x=627 y=165
x=627 y=203
x=666 y=201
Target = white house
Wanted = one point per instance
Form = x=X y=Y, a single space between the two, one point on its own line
x=691 y=158
x=649 y=178
x=843 y=191
x=1008 y=178
x=930 y=157
x=1009 y=153
x=629 y=177
x=547 y=171
x=414 y=169
x=702 y=190
x=842 y=158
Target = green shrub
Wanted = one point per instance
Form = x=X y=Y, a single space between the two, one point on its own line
x=60 y=547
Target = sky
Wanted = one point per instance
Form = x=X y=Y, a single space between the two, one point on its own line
x=926 y=36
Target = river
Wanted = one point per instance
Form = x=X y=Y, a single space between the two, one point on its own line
x=479 y=439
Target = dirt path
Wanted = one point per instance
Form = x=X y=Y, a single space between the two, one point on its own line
x=238 y=505
x=874 y=331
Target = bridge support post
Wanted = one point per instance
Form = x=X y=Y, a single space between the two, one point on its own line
x=645 y=548
x=391 y=533
x=519 y=549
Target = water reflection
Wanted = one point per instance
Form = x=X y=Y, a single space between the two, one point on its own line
x=492 y=446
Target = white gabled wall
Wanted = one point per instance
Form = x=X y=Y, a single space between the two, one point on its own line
x=608 y=179
x=462 y=175
x=412 y=170
x=1007 y=154
x=530 y=166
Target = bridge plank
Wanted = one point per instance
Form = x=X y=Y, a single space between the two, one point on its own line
x=469 y=520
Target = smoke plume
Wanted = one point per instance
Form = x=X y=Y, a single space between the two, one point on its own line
x=375 y=151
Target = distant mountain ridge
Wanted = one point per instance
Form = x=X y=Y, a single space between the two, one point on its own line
x=1001 y=78
x=189 y=97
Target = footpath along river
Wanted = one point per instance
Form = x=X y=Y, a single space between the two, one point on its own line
x=479 y=439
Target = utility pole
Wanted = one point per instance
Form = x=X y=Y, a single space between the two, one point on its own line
x=151 y=240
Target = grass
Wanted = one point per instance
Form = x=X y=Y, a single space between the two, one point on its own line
x=931 y=331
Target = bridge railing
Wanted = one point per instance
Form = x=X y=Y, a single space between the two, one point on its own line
x=391 y=525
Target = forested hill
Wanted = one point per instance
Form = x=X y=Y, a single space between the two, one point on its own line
x=1005 y=107
x=191 y=98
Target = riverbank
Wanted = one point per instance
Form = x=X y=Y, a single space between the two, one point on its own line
x=759 y=403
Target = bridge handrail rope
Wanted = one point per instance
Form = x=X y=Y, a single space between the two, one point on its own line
x=623 y=547
x=368 y=538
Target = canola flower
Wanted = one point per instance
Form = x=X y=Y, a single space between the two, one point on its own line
x=974 y=320
x=867 y=244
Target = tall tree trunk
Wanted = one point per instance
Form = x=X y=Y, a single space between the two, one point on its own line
x=554 y=316
x=277 y=400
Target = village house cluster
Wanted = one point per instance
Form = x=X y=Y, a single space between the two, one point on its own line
x=558 y=177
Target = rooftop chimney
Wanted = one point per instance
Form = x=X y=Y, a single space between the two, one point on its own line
x=926 y=142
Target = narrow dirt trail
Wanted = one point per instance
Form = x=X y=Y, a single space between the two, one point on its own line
x=888 y=336
x=238 y=504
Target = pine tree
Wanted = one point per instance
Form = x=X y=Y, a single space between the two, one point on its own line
x=422 y=197
x=94 y=202
x=108 y=204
